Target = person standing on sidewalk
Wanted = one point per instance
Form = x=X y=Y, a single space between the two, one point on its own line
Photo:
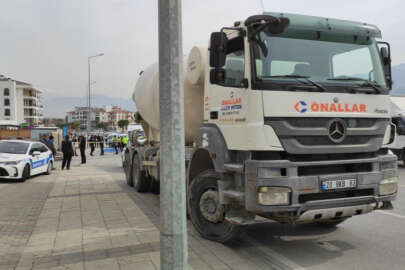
x=67 y=149
x=82 y=146
x=115 y=143
x=101 y=142
x=125 y=141
x=92 y=143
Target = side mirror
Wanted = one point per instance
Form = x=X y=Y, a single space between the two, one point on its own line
x=385 y=53
x=218 y=47
x=36 y=153
x=217 y=76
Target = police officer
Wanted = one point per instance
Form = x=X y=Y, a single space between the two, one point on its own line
x=82 y=146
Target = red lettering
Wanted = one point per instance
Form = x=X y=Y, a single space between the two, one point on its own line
x=355 y=108
x=347 y=109
x=332 y=107
x=340 y=109
x=314 y=107
x=363 y=108
x=324 y=107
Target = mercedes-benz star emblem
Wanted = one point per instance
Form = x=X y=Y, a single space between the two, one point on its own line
x=337 y=130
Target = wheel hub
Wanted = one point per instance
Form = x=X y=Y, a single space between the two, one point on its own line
x=210 y=207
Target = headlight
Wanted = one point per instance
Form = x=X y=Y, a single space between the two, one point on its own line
x=274 y=195
x=9 y=163
x=388 y=186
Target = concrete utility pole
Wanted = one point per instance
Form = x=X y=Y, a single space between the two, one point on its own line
x=89 y=103
x=173 y=231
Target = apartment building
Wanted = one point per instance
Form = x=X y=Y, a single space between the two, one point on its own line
x=110 y=114
x=20 y=103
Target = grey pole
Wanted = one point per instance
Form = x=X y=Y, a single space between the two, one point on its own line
x=89 y=99
x=173 y=231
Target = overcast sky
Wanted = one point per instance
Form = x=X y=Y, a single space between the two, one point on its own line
x=47 y=42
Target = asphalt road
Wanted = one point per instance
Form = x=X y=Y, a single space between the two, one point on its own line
x=371 y=241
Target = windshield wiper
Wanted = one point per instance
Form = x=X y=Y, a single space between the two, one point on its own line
x=366 y=83
x=298 y=77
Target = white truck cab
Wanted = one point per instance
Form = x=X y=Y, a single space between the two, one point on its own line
x=295 y=126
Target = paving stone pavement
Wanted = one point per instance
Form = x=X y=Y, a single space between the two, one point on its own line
x=88 y=218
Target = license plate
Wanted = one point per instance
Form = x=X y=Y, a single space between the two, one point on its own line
x=338 y=184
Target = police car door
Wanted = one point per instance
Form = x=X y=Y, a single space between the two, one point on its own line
x=34 y=159
x=45 y=157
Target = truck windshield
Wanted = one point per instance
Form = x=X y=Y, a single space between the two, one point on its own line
x=333 y=65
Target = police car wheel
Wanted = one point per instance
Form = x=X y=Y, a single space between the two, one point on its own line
x=25 y=174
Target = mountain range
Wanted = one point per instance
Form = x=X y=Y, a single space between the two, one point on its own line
x=57 y=106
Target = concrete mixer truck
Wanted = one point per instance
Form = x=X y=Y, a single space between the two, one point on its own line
x=287 y=118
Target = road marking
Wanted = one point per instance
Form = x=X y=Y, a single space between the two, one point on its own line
x=390 y=214
x=272 y=253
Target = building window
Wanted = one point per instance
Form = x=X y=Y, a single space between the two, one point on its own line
x=7 y=112
x=6 y=102
x=6 y=91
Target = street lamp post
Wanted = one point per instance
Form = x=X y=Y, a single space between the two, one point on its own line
x=89 y=100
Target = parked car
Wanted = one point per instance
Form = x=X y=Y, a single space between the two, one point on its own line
x=21 y=159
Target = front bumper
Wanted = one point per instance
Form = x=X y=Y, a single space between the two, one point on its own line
x=9 y=172
x=307 y=198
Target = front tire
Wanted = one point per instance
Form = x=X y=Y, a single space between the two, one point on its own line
x=206 y=214
x=140 y=181
x=26 y=173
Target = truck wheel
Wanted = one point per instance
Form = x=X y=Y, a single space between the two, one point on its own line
x=155 y=187
x=330 y=223
x=140 y=180
x=128 y=171
x=206 y=214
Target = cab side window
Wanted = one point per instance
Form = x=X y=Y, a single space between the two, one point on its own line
x=234 y=63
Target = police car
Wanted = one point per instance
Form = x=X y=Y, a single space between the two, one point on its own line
x=21 y=159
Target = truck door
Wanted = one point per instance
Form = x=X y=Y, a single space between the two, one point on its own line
x=226 y=102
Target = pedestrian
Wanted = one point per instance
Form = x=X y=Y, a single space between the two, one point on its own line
x=115 y=143
x=82 y=146
x=92 y=142
x=44 y=139
x=75 y=143
x=67 y=150
x=101 y=141
x=125 y=141
x=51 y=145
x=120 y=143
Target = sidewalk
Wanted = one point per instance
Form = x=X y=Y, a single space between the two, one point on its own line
x=88 y=218
x=89 y=222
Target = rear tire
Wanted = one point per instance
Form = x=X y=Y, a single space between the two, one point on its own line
x=206 y=214
x=155 y=187
x=128 y=171
x=140 y=181
x=26 y=173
